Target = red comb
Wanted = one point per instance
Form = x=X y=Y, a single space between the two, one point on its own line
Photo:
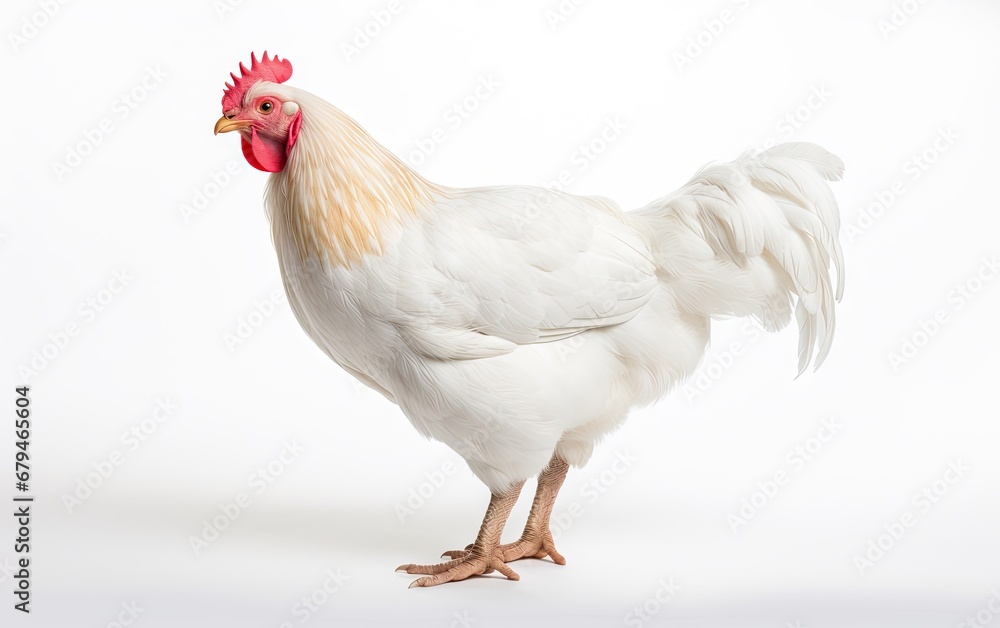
x=274 y=69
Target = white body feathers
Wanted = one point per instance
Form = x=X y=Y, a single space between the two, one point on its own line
x=511 y=322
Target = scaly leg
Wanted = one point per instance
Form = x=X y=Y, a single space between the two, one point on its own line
x=536 y=540
x=482 y=557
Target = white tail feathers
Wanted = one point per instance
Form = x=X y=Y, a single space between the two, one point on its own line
x=742 y=237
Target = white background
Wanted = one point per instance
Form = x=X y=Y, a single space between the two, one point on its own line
x=195 y=277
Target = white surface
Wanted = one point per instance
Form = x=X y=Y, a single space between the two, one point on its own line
x=332 y=508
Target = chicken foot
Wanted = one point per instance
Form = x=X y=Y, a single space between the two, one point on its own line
x=482 y=557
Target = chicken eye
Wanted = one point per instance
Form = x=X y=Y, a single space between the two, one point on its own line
x=266 y=106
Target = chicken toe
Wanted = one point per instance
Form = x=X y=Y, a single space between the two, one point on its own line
x=459 y=569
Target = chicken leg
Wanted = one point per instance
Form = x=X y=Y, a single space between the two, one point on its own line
x=536 y=540
x=483 y=556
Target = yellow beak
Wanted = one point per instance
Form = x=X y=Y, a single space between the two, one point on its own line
x=225 y=125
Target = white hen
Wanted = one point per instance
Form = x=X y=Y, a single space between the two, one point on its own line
x=519 y=325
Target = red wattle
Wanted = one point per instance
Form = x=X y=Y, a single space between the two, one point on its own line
x=264 y=153
x=248 y=154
